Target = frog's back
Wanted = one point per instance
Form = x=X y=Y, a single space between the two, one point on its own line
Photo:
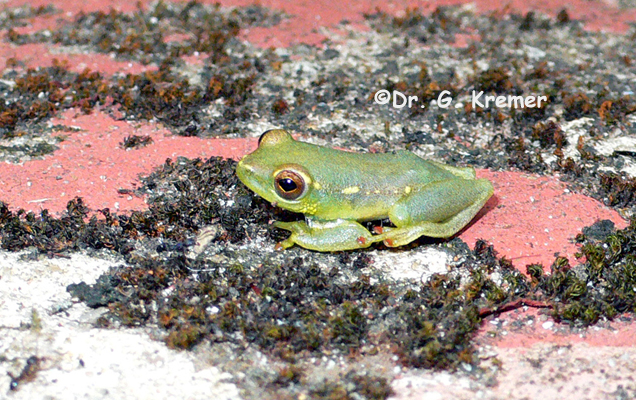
x=371 y=171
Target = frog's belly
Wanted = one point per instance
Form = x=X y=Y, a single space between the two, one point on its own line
x=358 y=208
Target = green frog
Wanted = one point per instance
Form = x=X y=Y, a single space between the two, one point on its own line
x=336 y=190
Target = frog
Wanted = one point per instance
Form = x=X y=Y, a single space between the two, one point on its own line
x=338 y=190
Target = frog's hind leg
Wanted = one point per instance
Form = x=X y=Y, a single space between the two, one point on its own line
x=461 y=172
x=440 y=210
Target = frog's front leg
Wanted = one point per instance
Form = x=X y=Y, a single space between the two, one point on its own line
x=318 y=235
x=439 y=209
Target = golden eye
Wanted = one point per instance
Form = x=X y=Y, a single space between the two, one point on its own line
x=289 y=185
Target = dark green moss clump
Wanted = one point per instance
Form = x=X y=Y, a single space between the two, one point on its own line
x=440 y=25
x=19 y=16
x=603 y=287
x=352 y=387
x=600 y=288
x=618 y=191
x=160 y=35
x=192 y=199
x=186 y=195
x=136 y=141
x=288 y=309
x=163 y=31
x=36 y=96
x=522 y=156
x=155 y=95
x=298 y=308
x=44 y=232
x=35 y=150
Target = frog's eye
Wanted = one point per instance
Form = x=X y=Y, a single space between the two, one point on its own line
x=289 y=185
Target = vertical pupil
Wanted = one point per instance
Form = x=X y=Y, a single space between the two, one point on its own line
x=287 y=184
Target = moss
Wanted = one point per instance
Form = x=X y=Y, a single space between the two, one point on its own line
x=305 y=309
x=36 y=150
x=494 y=80
x=424 y=28
x=523 y=157
x=531 y=21
x=136 y=141
x=189 y=205
x=607 y=287
x=280 y=106
x=19 y=16
x=48 y=234
x=616 y=190
x=331 y=391
x=354 y=386
x=27 y=374
x=149 y=35
x=549 y=134
x=372 y=387
x=613 y=112
x=163 y=95
x=288 y=375
x=563 y=17
x=33 y=98
x=185 y=337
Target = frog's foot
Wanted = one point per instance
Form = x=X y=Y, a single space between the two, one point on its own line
x=326 y=235
x=395 y=237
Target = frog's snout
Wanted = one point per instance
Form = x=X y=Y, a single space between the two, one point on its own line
x=242 y=170
x=251 y=176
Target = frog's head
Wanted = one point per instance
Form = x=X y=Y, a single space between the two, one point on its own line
x=270 y=172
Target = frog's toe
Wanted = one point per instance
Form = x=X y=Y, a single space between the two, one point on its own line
x=381 y=229
x=283 y=225
x=396 y=237
x=285 y=244
x=397 y=242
